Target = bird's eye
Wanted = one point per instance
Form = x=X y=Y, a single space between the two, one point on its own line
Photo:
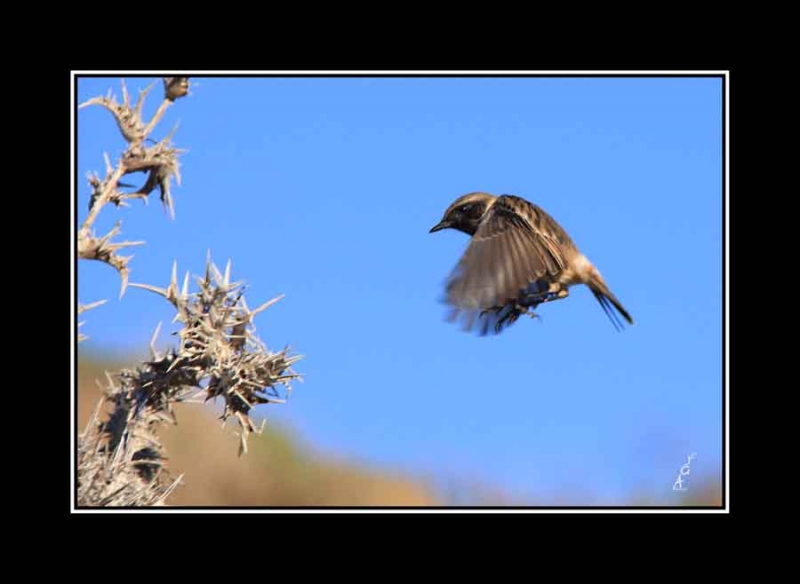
x=466 y=209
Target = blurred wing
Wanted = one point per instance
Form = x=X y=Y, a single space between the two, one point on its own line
x=508 y=256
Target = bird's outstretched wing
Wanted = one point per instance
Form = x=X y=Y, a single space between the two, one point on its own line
x=516 y=251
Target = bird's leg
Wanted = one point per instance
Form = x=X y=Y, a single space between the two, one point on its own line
x=558 y=295
x=512 y=313
x=548 y=296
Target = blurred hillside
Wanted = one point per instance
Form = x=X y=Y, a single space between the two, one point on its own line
x=279 y=470
x=275 y=472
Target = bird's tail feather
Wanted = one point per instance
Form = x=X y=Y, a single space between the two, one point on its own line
x=608 y=301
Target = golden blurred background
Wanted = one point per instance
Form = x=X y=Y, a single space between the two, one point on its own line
x=281 y=470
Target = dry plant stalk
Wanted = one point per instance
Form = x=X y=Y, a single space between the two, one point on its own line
x=160 y=161
x=120 y=458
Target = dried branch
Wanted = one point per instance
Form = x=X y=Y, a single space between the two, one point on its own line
x=119 y=462
x=218 y=356
x=129 y=119
x=159 y=161
x=219 y=345
x=101 y=249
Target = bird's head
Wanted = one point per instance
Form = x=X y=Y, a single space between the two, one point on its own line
x=465 y=213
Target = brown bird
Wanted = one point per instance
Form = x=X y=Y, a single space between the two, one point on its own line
x=518 y=258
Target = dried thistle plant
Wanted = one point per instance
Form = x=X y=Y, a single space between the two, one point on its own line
x=120 y=458
x=160 y=161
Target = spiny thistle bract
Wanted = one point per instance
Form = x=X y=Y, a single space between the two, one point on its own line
x=218 y=355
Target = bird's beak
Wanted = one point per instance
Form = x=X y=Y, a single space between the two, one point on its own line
x=439 y=226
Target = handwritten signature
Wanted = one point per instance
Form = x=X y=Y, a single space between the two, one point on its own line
x=685 y=469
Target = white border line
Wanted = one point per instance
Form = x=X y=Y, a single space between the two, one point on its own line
x=726 y=316
x=74 y=312
x=494 y=73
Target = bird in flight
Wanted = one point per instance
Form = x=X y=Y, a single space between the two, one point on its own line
x=518 y=257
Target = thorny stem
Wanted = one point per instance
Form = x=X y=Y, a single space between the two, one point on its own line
x=157 y=116
x=160 y=161
x=109 y=190
x=174 y=88
x=121 y=170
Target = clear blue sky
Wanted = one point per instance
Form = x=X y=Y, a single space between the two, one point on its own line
x=324 y=190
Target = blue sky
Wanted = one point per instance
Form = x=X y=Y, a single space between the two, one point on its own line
x=324 y=190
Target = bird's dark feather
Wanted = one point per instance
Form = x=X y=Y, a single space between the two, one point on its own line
x=508 y=258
